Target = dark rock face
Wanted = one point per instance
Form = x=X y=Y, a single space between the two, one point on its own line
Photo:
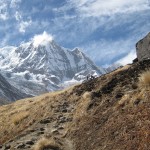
x=8 y=92
x=143 y=48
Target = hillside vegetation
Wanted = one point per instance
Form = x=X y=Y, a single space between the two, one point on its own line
x=109 y=112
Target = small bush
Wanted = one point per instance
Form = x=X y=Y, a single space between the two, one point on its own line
x=44 y=144
x=87 y=95
x=124 y=101
x=144 y=80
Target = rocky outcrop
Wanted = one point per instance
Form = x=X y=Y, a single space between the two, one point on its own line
x=143 y=48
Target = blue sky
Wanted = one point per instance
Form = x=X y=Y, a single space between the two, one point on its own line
x=106 y=30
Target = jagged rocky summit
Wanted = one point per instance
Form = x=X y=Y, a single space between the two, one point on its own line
x=38 y=68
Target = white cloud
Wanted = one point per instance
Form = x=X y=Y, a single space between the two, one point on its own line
x=107 y=7
x=5 y=5
x=128 y=58
x=3 y=11
x=109 y=51
x=3 y=16
x=42 y=39
x=23 y=25
x=18 y=16
x=14 y=3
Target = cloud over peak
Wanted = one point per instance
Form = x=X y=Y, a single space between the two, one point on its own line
x=43 y=39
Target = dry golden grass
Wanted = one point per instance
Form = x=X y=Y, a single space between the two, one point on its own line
x=82 y=105
x=87 y=96
x=45 y=143
x=16 y=119
x=131 y=99
x=144 y=80
x=141 y=95
x=124 y=101
x=20 y=115
x=126 y=127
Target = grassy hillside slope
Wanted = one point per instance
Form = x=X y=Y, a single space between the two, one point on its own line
x=109 y=112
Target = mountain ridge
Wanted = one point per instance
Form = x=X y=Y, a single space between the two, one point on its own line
x=45 y=66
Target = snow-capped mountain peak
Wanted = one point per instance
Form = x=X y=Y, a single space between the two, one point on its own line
x=41 y=62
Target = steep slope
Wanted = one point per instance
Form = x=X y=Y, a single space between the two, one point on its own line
x=8 y=92
x=45 y=66
x=109 y=112
x=117 y=115
x=3 y=101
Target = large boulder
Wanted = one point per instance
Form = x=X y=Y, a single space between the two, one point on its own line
x=143 y=48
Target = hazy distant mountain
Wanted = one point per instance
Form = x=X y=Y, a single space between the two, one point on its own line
x=36 y=68
x=113 y=67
